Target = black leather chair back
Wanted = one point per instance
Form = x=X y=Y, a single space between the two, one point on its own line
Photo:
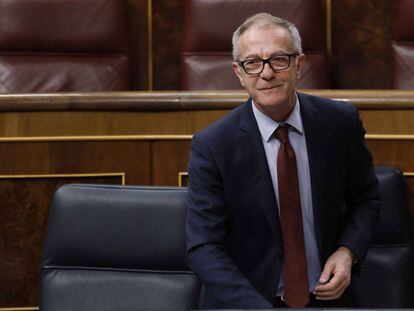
x=385 y=280
x=117 y=248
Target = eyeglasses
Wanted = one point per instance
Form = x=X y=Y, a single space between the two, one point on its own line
x=276 y=62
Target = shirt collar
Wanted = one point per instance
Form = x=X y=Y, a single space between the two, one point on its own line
x=268 y=126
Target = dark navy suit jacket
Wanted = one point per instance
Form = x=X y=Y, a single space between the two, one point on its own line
x=234 y=237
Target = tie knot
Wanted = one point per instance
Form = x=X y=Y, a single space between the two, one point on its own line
x=282 y=133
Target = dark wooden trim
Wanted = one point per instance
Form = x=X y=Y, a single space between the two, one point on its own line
x=186 y=101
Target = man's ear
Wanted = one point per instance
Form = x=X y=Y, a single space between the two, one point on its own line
x=299 y=63
x=237 y=71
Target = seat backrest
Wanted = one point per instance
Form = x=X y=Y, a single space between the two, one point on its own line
x=117 y=248
x=393 y=226
x=386 y=278
x=60 y=46
x=206 y=54
x=402 y=46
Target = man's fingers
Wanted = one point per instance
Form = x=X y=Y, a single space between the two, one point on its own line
x=326 y=273
x=333 y=294
x=332 y=290
x=331 y=285
x=336 y=275
x=328 y=287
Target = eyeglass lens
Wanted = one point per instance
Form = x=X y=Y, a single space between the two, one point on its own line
x=255 y=66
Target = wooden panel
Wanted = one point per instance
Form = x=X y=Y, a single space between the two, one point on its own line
x=138 y=27
x=24 y=210
x=388 y=121
x=397 y=153
x=168 y=20
x=73 y=123
x=169 y=158
x=131 y=157
x=361 y=34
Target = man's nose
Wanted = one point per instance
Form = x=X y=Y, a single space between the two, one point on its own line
x=267 y=72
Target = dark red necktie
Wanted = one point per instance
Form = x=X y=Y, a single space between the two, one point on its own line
x=295 y=276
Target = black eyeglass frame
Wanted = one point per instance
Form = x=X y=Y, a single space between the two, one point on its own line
x=267 y=61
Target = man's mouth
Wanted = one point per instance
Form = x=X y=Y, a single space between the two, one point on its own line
x=269 y=87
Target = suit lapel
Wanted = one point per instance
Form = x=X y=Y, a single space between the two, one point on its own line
x=256 y=162
x=316 y=143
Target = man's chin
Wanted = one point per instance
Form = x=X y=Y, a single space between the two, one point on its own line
x=271 y=101
x=273 y=95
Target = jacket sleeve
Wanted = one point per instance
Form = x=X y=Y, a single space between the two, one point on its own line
x=206 y=231
x=361 y=194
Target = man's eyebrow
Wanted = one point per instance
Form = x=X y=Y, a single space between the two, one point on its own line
x=256 y=56
x=252 y=56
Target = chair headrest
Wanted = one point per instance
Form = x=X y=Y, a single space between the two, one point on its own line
x=117 y=227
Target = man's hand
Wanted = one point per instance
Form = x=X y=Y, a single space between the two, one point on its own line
x=336 y=275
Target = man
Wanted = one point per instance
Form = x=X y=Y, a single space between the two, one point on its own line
x=282 y=193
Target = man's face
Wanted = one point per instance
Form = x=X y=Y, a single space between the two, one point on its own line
x=273 y=92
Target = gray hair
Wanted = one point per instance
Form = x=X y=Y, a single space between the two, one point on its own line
x=264 y=20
